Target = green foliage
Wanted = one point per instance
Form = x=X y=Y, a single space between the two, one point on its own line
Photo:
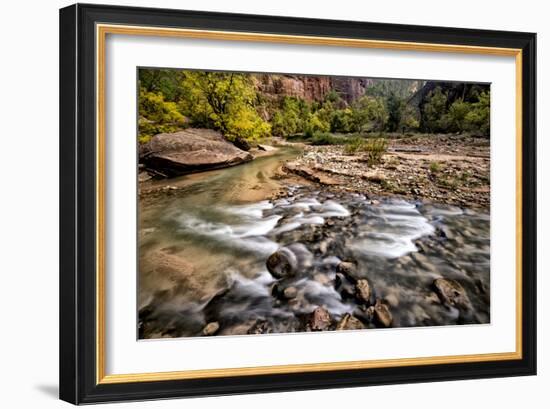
x=435 y=167
x=163 y=81
x=478 y=117
x=370 y=114
x=343 y=120
x=223 y=101
x=402 y=89
x=375 y=149
x=289 y=119
x=409 y=119
x=234 y=104
x=332 y=96
x=460 y=116
x=326 y=138
x=454 y=119
x=314 y=124
x=395 y=107
x=247 y=124
x=355 y=145
x=157 y=115
x=434 y=110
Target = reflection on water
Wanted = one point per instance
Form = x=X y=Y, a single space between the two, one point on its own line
x=203 y=257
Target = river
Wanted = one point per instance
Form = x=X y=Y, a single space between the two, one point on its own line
x=203 y=255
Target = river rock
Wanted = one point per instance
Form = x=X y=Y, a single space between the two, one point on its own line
x=310 y=174
x=382 y=315
x=362 y=290
x=211 y=328
x=190 y=150
x=349 y=322
x=347 y=268
x=282 y=263
x=344 y=286
x=144 y=177
x=320 y=319
x=241 y=144
x=290 y=292
x=260 y=327
x=451 y=293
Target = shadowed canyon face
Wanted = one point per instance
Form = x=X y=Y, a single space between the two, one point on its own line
x=343 y=261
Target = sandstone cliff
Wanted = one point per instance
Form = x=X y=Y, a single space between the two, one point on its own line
x=310 y=88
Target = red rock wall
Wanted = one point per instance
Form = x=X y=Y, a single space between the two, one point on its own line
x=310 y=88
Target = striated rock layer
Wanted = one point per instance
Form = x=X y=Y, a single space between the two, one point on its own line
x=311 y=88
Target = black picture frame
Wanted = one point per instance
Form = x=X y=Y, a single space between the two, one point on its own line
x=78 y=150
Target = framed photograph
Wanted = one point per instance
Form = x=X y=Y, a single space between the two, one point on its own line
x=257 y=203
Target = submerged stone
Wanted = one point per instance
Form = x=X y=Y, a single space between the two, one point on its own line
x=211 y=328
x=282 y=263
x=320 y=319
x=349 y=322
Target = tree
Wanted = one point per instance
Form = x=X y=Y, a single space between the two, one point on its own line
x=315 y=124
x=343 y=120
x=164 y=81
x=289 y=119
x=156 y=115
x=434 y=109
x=395 y=106
x=478 y=118
x=369 y=114
x=223 y=101
x=409 y=119
x=454 y=120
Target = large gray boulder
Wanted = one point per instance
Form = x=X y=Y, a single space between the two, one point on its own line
x=190 y=150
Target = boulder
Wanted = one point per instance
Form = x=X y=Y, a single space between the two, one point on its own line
x=190 y=150
x=282 y=263
x=320 y=319
x=290 y=292
x=349 y=322
x=363 y=291
x=451 y=293
x=310 y=174
x=382 y=315
x=260 y=327
x=241 y=144
x=347 y=268
x=143 y=176
x=266 y=148
x=344 y=286
x=211 y=328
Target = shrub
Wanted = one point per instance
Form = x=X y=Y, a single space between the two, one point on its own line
x=375 y=149
x=354 y=145
x=326 y=138
x=435 y=167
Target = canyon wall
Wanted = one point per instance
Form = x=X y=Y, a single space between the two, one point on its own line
x=311 y=88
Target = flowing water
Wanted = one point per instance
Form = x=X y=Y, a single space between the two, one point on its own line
x=203 y=255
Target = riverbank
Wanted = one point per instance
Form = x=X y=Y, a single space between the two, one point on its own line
x=264 y=179
x=446 y=169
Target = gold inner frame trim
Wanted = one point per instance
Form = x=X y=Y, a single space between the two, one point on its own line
x=101 y=33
